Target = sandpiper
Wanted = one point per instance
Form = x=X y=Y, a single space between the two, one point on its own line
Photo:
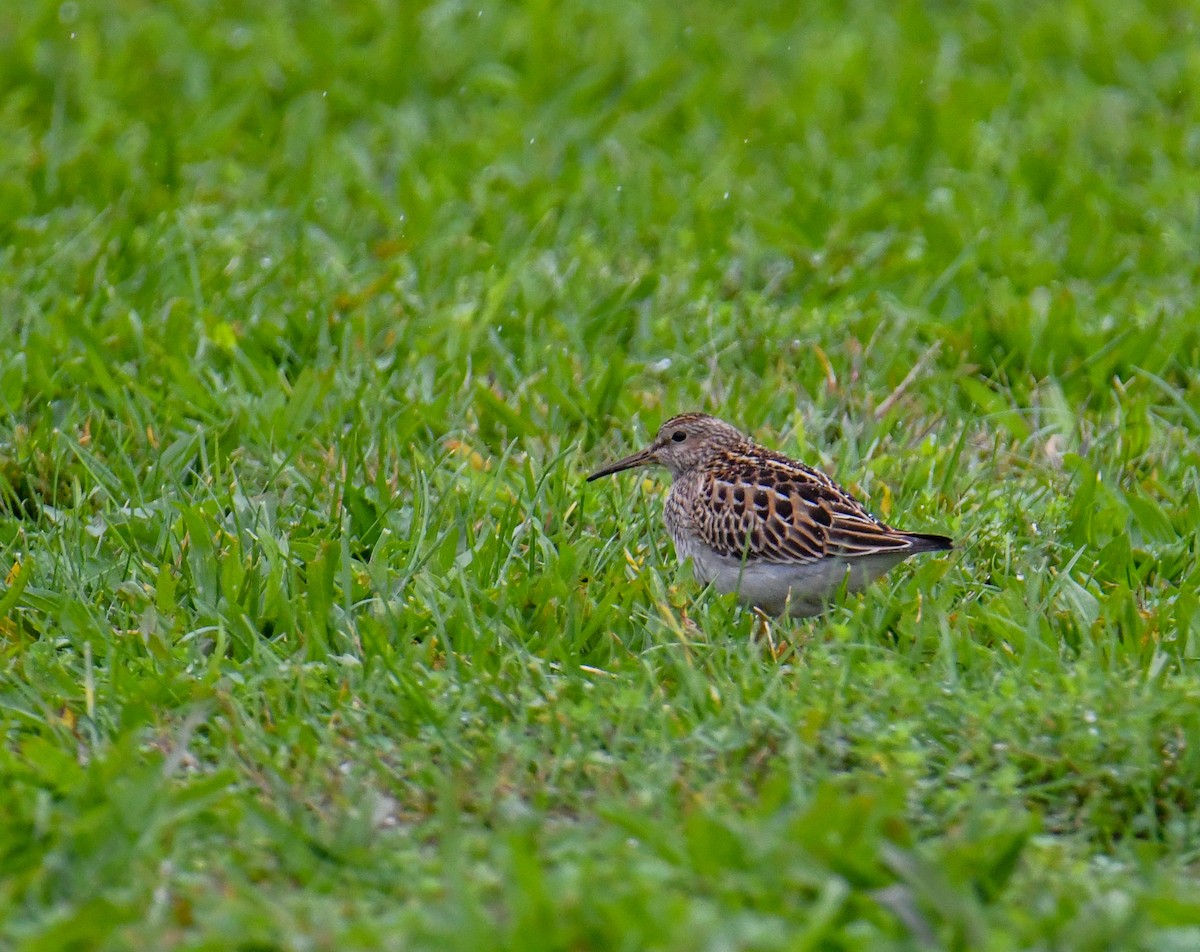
x=783 y=536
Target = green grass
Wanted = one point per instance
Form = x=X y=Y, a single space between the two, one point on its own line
x=317 y=313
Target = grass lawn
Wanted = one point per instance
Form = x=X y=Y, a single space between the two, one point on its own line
x=317 y=313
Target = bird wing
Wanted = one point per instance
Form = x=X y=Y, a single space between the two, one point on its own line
x=767 y=508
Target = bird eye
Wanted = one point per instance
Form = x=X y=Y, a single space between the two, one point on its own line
x=679 y=436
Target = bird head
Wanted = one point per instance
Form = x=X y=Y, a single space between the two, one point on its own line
x=683 y=443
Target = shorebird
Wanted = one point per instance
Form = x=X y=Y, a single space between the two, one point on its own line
x=782 y=535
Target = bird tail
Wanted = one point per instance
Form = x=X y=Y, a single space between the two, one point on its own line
x=928 y=542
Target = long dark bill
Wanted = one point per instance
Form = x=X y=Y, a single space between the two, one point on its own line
x=642 y=458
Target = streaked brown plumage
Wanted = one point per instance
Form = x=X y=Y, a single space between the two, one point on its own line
x=783 y=535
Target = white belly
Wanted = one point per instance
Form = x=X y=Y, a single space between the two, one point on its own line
x=799 y=590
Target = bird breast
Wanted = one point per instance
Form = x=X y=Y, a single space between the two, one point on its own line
x=677 y=514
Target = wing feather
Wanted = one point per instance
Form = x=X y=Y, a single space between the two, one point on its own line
x=767 y=508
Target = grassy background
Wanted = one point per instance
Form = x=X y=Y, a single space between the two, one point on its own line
x=318 y=312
